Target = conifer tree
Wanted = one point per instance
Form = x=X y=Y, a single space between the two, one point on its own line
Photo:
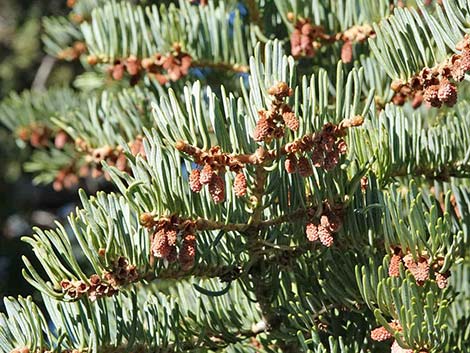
x=290 y=176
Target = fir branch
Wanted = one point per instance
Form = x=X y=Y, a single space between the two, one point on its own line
x=200 y=34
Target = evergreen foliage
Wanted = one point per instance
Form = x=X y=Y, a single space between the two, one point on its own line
x=289 y=176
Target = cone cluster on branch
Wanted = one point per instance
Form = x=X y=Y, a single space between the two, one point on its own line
x=163 y=67
x=273 y=122
x=436 y=86
x=112 y=156
x=422 y=269
x=66 y=178
x=307 y=39
x=108 y=284
x=213 y=180
x=73 y=52
x=322 y=228
x=167 y=234
x=212 y=167
x=40 y=136
x=355 y=34
x=69 y=176
x=37 y=135
x=381 y=334
x=321 y=149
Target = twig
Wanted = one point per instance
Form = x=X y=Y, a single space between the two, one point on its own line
x=43 y=73
x=238 y=68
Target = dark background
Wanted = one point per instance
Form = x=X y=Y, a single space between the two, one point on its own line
x=22 y=204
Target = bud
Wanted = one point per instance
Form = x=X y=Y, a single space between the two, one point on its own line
x=117 y=71
x=441 y=280
x=92 y=60
x=347 y=52
x=187 y=253
x=312 y=232
x=291 y=121
x=262 y=129
x=194 y=180
x=396 y=348
x=147 y=63
x=394 y=267
x=239 y=184
x=417 y=100
x=132 y=65
x=160 y=246
x=447 y=93
x=325 y=236
x=431 y=96
x=280 y=90
x=290 y=164
x=147 y=219
x=171 y=236
x=342 y=146
x=61 y=139
x=217 y=189
x=419 y=269
x=380 y=334
x=206 y=174
x=304 y=167
x=364 y=183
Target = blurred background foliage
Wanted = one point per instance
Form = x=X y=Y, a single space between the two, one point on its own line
x=23 y=204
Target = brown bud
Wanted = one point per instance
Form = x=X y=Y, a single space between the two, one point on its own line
x=262 y=129
x=172 y=237
x=187 y=253
x=291 y=121
x=347 y=52
x=394 y=267
x=147 y=219
x=396 y=85
x=280 y=90
x=431 y=96
x=380 y=334
x=325 y=236
x=92 y=60
x=206 y=174
x=61 y=139
x=364 y=183
x=65 y=284
x=95 y=280
x=417 y=100
x=312 y=232
x=447 y=93
x=132 y=65
x=342 y=146
x=117 y=71
x=304 y=167
x=217 y=189
x=147 y=63
x=442 y=280
x=291 y=164
x=160 y=247
x=194 y=180
x=239 y=184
